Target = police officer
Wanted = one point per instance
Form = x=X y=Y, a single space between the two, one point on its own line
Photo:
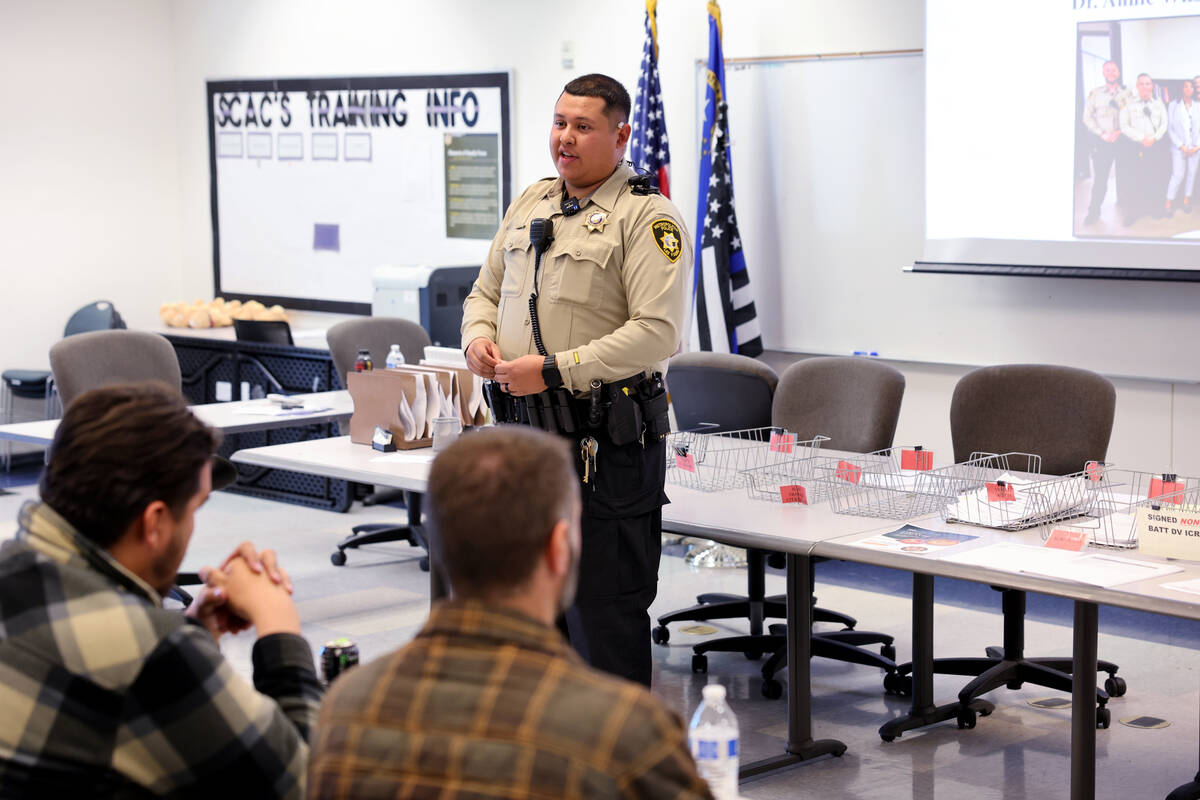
x=576 y=310
x=1143 y=123
x=1102 y=116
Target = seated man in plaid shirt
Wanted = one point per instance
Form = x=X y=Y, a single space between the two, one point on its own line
x=103 y=692
x=489 y=700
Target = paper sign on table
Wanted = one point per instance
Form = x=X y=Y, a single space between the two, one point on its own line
x=914 y=540
x=851 y=473
x=999 y=491
x=793 y=493
x=782 y=442
x=1174 y=532
x=685 y=461
x=1067 y=539
x=916 y=459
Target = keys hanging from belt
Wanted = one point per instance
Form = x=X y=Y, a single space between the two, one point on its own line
x=588 y=447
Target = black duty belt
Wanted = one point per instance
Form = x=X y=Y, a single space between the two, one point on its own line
x=629 y=409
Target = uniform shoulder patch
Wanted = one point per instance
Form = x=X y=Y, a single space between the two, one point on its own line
x=668 y=238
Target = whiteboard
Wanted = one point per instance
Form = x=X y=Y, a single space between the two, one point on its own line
x=317 y=182
x=828 y=161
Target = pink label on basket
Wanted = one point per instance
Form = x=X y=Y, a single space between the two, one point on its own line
x=1167 y=491
x=686 y=463
x=851 y=473
x=1094 y=470
x=1066 y=540
x=793 y=493
x=782 y=442
x=1000 y=491
x=916 y=459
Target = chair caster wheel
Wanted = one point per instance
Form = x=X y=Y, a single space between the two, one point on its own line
x=1115 y=686
x=699 y=663
x=772 y=689
x=898 y=685
x=1103 y=718
x=966 y=719
x=337 y=558
x=753 y=655
x=423 y=564
x=660 y=634
x=888 y=651
x=887 y=738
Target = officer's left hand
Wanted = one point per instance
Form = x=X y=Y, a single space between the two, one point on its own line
x=521 y=376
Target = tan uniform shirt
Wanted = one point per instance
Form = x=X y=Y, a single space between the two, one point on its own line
x=1102 y=111
x=1138 y=125
x=612 y=283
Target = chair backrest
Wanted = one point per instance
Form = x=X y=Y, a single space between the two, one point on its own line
x=724 y=389
x=1063 y=414
x=98 y=316
x=853 y=401
x=90 y=360
x=377 y=334
x=269 y=331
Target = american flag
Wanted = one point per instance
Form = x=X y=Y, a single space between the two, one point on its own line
x=723 y=315
x=649 y=142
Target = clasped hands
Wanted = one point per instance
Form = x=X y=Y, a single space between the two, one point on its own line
x=248 y=589
x=521 y=376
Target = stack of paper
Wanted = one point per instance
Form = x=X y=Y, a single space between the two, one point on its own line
x=1011 y=502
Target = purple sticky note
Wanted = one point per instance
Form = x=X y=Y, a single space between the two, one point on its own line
x=326 y=237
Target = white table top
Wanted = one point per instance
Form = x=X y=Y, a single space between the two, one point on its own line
x=340 y=458
x=227 y=417
x=734 y=518
x=1145 y=595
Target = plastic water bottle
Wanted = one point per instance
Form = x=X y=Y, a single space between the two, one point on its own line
x=394 y=357
x=713 y=740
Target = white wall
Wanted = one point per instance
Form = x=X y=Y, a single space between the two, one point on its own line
x=103 y=144
x=89 y=193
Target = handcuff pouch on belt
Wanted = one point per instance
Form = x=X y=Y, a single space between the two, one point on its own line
x=629 y=410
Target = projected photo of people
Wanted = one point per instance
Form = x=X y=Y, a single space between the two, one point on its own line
x=1137 y=140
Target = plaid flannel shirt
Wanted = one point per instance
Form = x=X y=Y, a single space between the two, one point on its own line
x=104 y=693
x=487 y=703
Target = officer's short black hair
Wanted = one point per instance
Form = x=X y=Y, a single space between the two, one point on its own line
x=607 y=89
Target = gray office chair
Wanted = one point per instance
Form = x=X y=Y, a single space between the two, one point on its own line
x=101 y=358
x=36 y=383
x=378 y=334
x=91 y=360
x=856 y=403
x=1064 y=415
x=724 y=392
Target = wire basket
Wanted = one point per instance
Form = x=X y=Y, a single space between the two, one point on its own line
x=886 y=484
x=792 y=479
x=717 y=461
x=1005 y=491
x=1119 y=494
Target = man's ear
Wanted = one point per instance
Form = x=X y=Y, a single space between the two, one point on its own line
x=153 y=532
x=623 y=134
x=558 y=549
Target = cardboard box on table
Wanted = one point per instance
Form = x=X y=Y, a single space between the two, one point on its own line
x=377 y=396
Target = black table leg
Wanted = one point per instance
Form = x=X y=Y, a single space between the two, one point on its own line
x=801 y=746
x=1083 y=702
x=923 y=711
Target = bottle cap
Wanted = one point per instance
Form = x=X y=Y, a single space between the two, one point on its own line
x=713 y=692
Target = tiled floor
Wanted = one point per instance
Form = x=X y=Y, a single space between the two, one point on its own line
x=380 y=597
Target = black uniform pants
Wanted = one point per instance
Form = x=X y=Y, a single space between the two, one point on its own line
x=609 y=624
x=1103 y=156
x=1142 y=174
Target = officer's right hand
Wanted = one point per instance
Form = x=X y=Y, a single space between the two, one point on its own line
x=482 y=357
